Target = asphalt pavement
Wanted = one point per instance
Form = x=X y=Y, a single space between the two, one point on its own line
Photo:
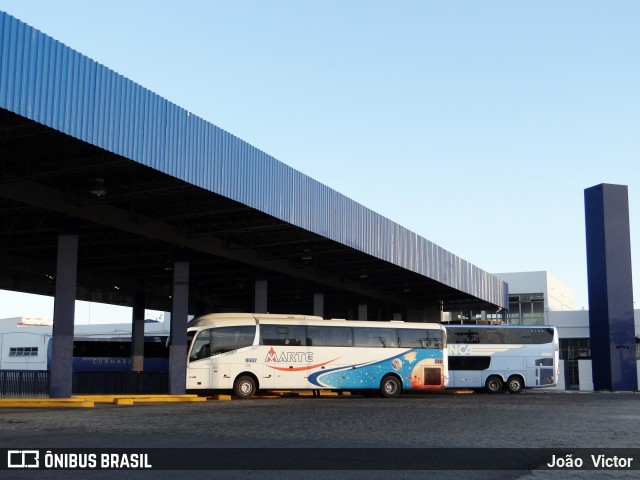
x=531 y=420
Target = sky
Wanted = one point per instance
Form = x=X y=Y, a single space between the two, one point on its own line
x=477 y=125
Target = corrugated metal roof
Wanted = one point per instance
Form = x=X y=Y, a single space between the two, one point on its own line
x=48 y=82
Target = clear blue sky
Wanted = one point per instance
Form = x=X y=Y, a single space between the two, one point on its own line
x=476 y=124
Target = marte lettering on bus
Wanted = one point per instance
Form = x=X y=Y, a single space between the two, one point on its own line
x=292 y=357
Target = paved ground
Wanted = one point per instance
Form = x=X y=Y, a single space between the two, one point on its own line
x=533 y=419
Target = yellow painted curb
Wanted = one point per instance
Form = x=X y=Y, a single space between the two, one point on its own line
x=220 y=397
x=123 y=399
x=45 y=402
x=134 y=395
x=169 y=400
x=292 y=394
x=306 y=393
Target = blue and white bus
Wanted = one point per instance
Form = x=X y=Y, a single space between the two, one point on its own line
x=244 y=352
x=497 y=357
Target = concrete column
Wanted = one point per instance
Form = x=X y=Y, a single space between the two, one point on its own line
x=61 y=371
x=362 y=312
x=318 y=304
x=415 y=314
x=179 y=318
x=260 y=298
x=432 y=313
x=611 y=322
x=137 y=333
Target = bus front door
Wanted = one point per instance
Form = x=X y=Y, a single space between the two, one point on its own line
x=199 y=366
x=199 y=374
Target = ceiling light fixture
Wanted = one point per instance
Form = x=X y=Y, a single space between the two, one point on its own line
x=98 y=189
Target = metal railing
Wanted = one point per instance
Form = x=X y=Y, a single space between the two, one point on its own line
x=36 y=382
x=24 y=382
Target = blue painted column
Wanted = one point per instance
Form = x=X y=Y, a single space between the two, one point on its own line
x=61 y=370
x=179 y=318
x=611 y=323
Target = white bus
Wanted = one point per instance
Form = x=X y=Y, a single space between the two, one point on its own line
x=495 y=357
x=245 y=352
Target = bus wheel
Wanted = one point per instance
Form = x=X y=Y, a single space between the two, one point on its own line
x=493 y=384
x=390 y=386
x=244 y=387
x=515 y=384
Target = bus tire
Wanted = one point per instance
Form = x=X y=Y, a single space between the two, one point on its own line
x=493 y=384
x=515 y=384
x=244 y=387
x=390 y=387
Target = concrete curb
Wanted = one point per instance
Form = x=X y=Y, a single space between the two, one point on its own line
x=45 y=402
x=87 y=401
x=142 y=398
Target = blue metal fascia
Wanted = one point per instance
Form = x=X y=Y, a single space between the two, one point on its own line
x=48 y=82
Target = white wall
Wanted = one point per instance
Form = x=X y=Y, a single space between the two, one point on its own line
x=585 y=374
x=14 y=335
x=525 y=282
x=23 y=339
x=557 y=296
x=570 y=324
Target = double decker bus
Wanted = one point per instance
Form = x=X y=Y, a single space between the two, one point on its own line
x=244 y=352
x=498 y=357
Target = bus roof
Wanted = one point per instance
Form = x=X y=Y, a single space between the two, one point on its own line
x=473 y=325
x=270 y=318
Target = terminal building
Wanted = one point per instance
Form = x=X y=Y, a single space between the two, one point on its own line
x=110 y=193
x=535 y=298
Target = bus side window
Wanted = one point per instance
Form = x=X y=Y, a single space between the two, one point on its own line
x=412 y=338
x=434 y=339
x=290 y=335
x=375 y=337
x=227 y=339
x=329 y=336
